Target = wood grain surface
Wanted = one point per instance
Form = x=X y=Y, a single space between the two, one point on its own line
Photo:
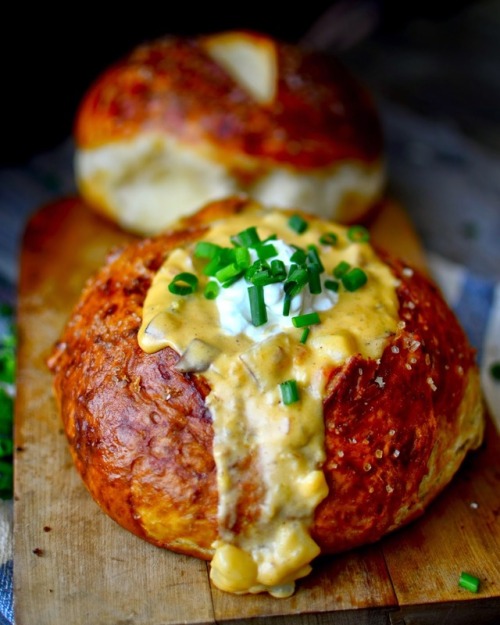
x=75 y=566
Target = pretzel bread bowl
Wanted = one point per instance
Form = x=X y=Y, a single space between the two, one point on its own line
x=182 y=121
x=259 y=431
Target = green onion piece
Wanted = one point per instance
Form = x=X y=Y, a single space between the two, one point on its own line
x=289 y=392
x=329 y=238
x=340 y=269
x=257 y=305
x=228 y=273
x=266 y=251
x=296 y=280
x=358 y=234
x=183 y=283
x=468 y=581
x=212 y=289
x=305 y=334
x=313 y=257
x=224 y=256
x=213 y=266
x=259 y=273
x=206 y=249
x=263 y=277
x=495 y=370
x=286 y=304
x=278 y=270
x=298 y=224
x=299 y=256
x=313 y=272
x=308 y=319
x=249 y=237
x=332 y=285
x=354 y=279
x=242 y=257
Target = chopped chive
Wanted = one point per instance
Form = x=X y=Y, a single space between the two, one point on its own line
x=211 y=290
x=212 y=266
x=305 y=334
x=307 y=319
x=266 y=251
x=257 y=305
x=224 y=256
x=298 y=224
x=258 y=270
x=313 y=272
x=340 y=269
x=289 y=392
x=228 y=273
x=313 y=257
x=242 y=257
x=286 y=304
x=332 y=285
x=205 y=249
x=249 y=237
x=468 y=581
x=329 y=238
x=299 y=256
x=296 y=281
x=183 y=283
x=354 y=279
x=227 y=283
x=358 y=234
x=278 y=270
x=263 y=277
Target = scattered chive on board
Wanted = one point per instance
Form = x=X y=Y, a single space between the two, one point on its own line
x=468 y=581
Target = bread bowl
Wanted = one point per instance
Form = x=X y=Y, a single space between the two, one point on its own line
x=181 y=121
x=157 y=403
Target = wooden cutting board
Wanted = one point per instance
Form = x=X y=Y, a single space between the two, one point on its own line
x=75 y=566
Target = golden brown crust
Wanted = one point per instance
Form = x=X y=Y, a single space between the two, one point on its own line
x=141 y=434
x=320 y=114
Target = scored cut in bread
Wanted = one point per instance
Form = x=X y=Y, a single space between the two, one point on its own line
x=183 y=121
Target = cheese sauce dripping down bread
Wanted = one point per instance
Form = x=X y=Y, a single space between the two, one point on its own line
x=267 y=545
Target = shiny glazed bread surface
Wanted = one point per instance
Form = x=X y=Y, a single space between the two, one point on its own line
x=320 y=114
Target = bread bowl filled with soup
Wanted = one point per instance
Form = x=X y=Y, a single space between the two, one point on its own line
x=257 y=387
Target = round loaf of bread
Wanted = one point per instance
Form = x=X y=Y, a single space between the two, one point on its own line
x=183 y=121
x=191 y=431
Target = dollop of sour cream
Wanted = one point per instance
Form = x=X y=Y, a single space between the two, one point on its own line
x=234 y=307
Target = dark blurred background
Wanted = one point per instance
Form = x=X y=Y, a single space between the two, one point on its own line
x=49 y=57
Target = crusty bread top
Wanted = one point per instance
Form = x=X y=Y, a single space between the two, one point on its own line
x=318 y=115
